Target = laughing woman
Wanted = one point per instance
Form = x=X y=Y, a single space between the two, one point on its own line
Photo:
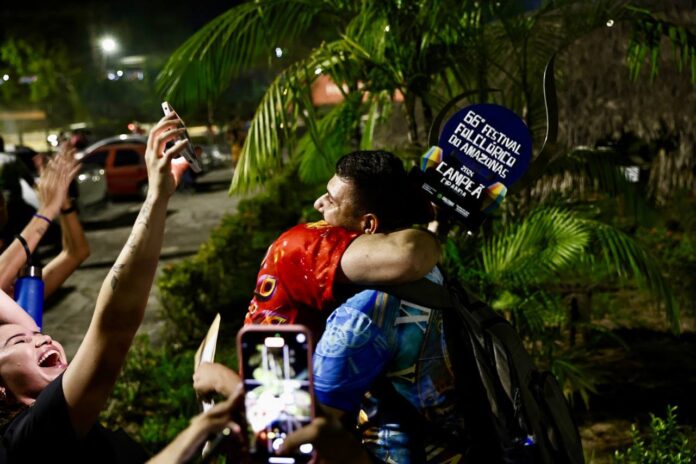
x=49 y=407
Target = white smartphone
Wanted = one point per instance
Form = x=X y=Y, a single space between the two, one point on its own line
x=188 y=153
x=276 y=366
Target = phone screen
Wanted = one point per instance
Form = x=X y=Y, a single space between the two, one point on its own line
x=277 y=381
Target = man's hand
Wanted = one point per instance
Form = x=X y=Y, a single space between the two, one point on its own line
x=162 y=174
x=54 y=180
x=218 y=419
x=333 y=443
x=215 y=378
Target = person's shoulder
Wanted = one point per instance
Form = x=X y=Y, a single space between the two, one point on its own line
x=314 y=230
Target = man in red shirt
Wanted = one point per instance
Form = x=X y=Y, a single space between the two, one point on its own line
x=309 y=264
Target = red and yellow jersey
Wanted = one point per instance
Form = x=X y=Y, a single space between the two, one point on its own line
x=296 y=279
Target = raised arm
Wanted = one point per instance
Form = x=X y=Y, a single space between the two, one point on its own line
x=75 y=247
x=389 y=258
x=12 y=313
x=53 y=187
x=89 y=379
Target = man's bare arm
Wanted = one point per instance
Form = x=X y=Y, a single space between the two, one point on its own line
x=391 y=258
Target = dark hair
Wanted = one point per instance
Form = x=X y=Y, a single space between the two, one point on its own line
x=384 y=189
x=2 y=144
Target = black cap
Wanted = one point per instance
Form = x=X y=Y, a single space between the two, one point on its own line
x=31 y=270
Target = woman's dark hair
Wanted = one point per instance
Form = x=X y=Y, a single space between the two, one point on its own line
x=384 y=189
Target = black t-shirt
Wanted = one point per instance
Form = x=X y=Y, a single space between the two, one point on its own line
x=44 y=433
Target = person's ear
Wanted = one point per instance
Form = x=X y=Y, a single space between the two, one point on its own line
x=369 y=223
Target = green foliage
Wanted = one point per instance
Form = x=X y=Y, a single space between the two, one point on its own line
x=153 y=399
x=521 y=270
x=666 y=443
x=646 y=41
x=672 y=242
x=452 y=47
x=222 y=275
x=49 y=65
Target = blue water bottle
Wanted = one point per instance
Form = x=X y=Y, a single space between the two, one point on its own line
x=29 y=292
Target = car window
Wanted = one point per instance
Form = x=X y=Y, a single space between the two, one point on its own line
x=126 y=157
x=98 y=158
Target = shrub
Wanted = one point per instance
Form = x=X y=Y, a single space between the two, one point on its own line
x=666 y=443
x=153 y=399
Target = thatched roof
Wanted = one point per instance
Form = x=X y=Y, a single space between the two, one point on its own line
x=597 y=99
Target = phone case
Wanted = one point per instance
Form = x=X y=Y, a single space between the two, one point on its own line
x=188 y=153
x=253 y=334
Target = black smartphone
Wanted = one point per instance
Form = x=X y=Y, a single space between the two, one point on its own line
x=188 y=152
x=276 y=366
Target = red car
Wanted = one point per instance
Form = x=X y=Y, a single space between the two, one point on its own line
x=123 y=159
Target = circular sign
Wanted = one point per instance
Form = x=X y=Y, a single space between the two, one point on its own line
x=490 y=140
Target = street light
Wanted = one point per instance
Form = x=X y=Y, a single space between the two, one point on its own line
x=108 y=45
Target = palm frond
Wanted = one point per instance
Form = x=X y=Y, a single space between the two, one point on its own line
x=318 y=153
x=574 y=375
x=261 y=153
x=544 y=243
x=628 y=259
x=585 y=171
x=645 y=43
x=287 y=101
x=205 y=64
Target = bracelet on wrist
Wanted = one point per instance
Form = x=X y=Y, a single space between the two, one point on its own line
x=70 y=209
x=41 y=216
x=25 y=245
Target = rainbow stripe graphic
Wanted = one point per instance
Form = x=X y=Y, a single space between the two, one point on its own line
x=493 y=197
x=431 y=158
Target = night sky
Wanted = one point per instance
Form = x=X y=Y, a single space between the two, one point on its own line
x=141 y=27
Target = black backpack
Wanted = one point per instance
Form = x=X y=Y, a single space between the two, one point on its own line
x=518 y=411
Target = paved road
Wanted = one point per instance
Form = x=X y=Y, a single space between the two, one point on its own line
x=190 y=220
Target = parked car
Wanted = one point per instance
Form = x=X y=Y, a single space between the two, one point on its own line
x=219 y=156
x=122 y=159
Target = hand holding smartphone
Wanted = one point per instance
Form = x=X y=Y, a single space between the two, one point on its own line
x=276 y=367
x=188 y=153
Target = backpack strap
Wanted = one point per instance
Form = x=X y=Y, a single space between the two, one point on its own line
x=422 y=292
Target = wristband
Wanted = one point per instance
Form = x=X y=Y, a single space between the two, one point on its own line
x=25 y=245
x=41 y=216
x=71 y=209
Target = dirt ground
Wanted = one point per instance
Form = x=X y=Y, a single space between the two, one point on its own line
x=655 y=369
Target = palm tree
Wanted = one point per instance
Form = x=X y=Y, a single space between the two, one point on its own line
x=431 y=51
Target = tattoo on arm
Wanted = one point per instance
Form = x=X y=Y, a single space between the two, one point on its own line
x=116 y=270
x=143 y=216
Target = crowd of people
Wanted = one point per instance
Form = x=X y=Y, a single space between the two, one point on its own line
x=382 y=377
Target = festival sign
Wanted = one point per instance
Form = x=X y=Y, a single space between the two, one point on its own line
x=482 y=150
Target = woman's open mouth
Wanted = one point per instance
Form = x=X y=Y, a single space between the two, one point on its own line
x=50 y=358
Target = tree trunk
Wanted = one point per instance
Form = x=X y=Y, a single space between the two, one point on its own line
x=410 y=106
x=427 y=117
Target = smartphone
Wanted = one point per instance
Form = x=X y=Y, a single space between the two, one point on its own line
x=188 y=153
x=276 y=366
